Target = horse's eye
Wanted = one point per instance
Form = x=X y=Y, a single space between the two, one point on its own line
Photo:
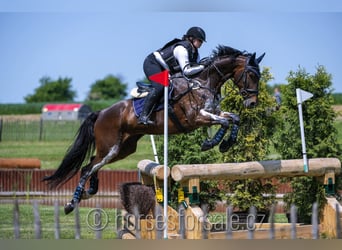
x=243 y=93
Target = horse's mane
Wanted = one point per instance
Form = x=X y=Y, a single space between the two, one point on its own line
x=222 y=50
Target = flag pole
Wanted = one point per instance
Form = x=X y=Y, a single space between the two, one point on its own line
x=300 y=100
x=166 y=103
x=163 y=78
x=156 y=159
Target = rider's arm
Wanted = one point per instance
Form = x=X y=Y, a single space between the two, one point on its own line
x=181 y=54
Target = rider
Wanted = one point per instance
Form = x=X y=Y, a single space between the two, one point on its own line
x=178 y=55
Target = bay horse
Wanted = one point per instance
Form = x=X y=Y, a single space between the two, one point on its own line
x=114 y=131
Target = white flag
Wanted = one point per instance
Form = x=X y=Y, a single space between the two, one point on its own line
x=303 y=95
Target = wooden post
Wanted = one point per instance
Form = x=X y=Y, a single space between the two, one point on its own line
x=37 y=223
x=16 y=224
x=57 y=226
x=152 y=174
x=77 y=222
x=255 y=169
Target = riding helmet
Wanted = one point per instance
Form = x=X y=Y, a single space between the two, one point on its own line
x=196 y=32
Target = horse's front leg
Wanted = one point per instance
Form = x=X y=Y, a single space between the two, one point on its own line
x=212 y=119
x=226 y=144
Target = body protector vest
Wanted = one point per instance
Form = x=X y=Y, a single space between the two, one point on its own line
x=166 y=53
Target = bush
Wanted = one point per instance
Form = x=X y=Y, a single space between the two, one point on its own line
x=320 y=134
x=305 y=191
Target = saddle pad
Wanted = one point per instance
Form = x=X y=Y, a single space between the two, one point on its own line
x=138 y=104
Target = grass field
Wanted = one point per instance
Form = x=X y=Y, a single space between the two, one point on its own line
x=46 y=213
x=51 y=153
x=110 y=220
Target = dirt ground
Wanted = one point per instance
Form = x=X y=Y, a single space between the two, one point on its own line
x=338 y=110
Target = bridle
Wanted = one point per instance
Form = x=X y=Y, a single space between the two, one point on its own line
x=245 y=92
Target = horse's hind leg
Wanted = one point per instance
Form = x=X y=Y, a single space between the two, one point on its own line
x=113 y=152
x=129 y=146
x=94 y=184
x=94 y=181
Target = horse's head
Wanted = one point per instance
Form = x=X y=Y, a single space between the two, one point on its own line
x=242 y=68
x=246 y=76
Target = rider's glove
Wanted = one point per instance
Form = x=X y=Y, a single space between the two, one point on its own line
x=206 y=61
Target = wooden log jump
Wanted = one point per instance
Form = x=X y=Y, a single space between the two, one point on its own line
x=189 y=177
x=256 y=169
x=152 y=174
x=23 y=163
x=151 y=169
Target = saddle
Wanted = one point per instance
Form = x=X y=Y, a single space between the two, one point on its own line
x=140 y=92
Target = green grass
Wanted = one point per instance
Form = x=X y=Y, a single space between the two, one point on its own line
x=46 y=213
x=67 y=222
x=338 y=125
x=51 y=153
x=35 y=130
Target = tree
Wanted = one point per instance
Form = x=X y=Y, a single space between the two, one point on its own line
x=110 y=87
x=253 y=143
x=320 y=134
x=52 y=91
x=256 y=125
x=318 y=115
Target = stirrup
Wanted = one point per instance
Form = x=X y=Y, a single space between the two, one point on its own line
x=145 y=120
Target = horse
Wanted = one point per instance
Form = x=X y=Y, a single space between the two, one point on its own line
x=114 y=132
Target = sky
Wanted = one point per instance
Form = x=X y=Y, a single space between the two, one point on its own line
x=87 y=42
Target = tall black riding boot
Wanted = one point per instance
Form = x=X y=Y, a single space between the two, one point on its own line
x=150 y=100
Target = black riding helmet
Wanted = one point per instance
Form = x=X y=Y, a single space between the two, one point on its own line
x=196 y=32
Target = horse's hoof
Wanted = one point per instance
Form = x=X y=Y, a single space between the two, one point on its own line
x=69 y=207
x=91 y=191
x=86 y=195
x=225 y=145
x=94 y=186
x=206 y=145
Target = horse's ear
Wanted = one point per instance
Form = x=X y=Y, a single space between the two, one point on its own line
x=251 y=60
x=260 y=58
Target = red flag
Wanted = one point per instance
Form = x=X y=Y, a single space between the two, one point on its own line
x=162 y=78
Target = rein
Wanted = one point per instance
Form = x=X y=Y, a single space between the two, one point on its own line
x=245 y=91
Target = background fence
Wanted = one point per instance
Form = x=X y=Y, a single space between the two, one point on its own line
x=37 y=130
x=96 y=223
x=13 y=181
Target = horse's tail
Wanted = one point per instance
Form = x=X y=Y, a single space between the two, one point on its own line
x=82 y=148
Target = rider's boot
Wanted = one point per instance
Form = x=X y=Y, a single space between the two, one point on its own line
x=150 y=100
